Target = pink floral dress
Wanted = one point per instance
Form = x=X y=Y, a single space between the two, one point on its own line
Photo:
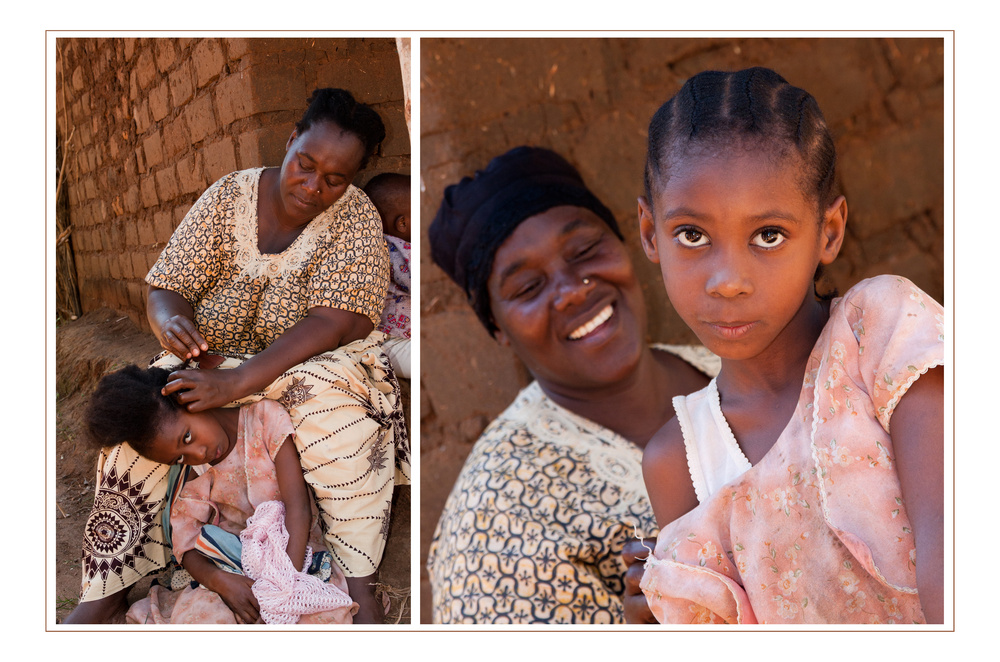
x=227 y=495
x=817 y=531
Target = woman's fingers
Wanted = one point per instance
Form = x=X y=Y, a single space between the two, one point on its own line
x=183 y=337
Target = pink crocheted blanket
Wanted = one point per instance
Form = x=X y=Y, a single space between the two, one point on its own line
x=283 y=592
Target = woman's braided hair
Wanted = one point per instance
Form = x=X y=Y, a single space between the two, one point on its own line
x=332 y=104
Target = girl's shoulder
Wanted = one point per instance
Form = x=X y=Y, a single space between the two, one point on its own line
x=887 y=290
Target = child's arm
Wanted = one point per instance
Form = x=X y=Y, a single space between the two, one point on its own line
x=295 y=496
x=235 y=590
x=917 y=431
x=665 y=472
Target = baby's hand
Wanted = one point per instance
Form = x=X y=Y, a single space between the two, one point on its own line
x=235 y=590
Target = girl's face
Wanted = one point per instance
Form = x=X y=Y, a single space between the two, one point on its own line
x=566 y=300
x=738 y=243
x=319 y=165
x=189 y=438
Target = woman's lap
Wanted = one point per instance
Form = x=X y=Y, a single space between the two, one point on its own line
x=352 y=444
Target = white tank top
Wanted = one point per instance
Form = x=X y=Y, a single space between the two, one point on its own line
x=713 y=455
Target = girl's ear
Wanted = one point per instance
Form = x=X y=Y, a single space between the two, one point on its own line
x=647 y=230
x=833 y=229
x=291 y=139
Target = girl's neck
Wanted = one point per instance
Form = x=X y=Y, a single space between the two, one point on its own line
x=229 y=421
x=783 y=365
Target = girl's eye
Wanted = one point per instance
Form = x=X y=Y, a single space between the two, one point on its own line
x=304 y=166
x=768 y=238
x=691 y=237
x=187 y=437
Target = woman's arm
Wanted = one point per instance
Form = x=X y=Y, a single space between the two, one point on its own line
x=295 y=496
x=917 y=431
x=171 y=318
x=322 y=330
x=235 y=590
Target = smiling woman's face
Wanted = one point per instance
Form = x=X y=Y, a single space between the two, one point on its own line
x=566 y=300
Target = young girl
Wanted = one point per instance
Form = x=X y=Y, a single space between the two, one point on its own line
x=247 y=470
x=811 y=507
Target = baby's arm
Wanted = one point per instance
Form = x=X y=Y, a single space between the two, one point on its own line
x=665 y=472
x=235 y=590
x=295 y=496
x=917 y=431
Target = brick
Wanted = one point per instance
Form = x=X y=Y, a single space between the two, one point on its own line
x=191 y=173
x=208 y=61
x=159 y=101
x=152 y=255
x=139 y=267
x=220 y=158
x=146 y=234
x=279 y=88
x=200 y=118
x=237 y=48
x=128 y=47
x=175 y=138
x=248 y=149
x=125 y=265
x=114 y=269
x=135 y=298
x=133 y=86
x=90 y=189
x=131 y=232
x=77 y=79
x=131 y=202
x=181 y=84
x=152 y=149
x=233 y=98
x=145 y=69
x=140 y=113
x=166 y=53
x=147 y=192
x=163 y=226
x=166 y=183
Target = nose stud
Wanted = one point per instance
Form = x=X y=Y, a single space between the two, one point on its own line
x=586 y=281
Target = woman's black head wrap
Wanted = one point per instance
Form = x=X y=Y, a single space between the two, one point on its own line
x=480 y=212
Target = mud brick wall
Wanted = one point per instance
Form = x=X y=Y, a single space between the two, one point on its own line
x=154 y=122
x=591 y=100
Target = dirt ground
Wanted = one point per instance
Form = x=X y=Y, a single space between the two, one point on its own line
x=102 y=341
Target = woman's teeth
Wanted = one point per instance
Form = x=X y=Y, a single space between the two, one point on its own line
x=598 y=320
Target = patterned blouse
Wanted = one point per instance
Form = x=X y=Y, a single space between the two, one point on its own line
x=816 y=532
x=534 y=527
x=243 y=299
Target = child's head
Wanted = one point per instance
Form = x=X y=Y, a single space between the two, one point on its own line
x=739 y=209
x=390 y=193
x=128 y=407
x=750 y=111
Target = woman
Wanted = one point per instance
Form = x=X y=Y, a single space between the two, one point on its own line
x=280 y=274
x=534 y=528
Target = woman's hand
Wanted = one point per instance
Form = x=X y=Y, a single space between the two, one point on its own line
x=170 y=317
x=200 y=390
x=635 y=554
x=237 y=592
x=180 y=337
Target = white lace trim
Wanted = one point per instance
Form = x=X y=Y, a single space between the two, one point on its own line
x=251 y=262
